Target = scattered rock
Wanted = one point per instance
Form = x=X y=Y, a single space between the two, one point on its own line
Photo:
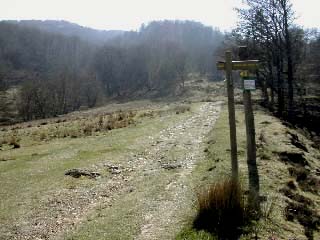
x=171 y=166
x=76 y=173
x=211 y=168
x=113 y=169
x=211 y=142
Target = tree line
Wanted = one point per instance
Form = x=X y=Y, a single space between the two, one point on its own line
x=57 y=74
x=287 y=53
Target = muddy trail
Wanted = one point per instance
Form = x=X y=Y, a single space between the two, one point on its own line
x=144 y=194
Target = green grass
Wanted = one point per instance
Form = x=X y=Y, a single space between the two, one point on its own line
x=31 y=176
x=271 y=137
x=34 y=172
x=127 y=209
x=190 y=234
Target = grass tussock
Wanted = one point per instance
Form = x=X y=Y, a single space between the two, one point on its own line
x=221 y=209
x=14 y=142
x=182 y=108
x=177 y=109
x=92 y=125
x=10 y=140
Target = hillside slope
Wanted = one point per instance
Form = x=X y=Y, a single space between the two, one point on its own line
x=71 y=30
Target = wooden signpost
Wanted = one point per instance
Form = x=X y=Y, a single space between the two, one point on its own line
x=240 y=65
x=232 y=116
x=248 y=85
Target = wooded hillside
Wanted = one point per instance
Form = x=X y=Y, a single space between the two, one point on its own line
x=58 y=73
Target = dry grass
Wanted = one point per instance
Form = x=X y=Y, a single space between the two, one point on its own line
x=296 y=175
x=74 y=128
x=10 y=140
x=34 y=175
x=177 y=109
x=221 y=209
x=80 y=125
x=182 y=109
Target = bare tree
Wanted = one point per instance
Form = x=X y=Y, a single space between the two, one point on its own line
x=267 y=27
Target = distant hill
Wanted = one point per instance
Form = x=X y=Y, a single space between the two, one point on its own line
x=71 y=29
x=57 y=66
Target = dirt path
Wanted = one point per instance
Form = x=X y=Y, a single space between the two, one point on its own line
x=148 y=188
x=188 y=138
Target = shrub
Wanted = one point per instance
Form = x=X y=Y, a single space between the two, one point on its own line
x=88 y=129
x=14 y=141
x=182 y=109
x=131 y=114
x=43 y=136
x=221 y=209
x=74 y=133
x=149 y=114
x=100 y=121
x=110 y=123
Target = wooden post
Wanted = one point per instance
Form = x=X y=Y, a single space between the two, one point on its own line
x=232 y=117
x=254 y=186
x=228 y=66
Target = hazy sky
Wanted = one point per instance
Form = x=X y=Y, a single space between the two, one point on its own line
x=130 y=14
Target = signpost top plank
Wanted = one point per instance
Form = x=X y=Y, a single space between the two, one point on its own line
x=240 y=65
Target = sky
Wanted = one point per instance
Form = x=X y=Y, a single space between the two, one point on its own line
x=130 y=14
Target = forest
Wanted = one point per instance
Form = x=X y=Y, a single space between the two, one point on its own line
x=151 y=133
x=57 y=73
x=57 y=67
x=289 y=71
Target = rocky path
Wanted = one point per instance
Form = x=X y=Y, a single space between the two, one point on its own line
x=187 y=138
x=166 y=161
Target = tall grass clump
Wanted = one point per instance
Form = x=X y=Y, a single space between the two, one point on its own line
x=182 y=109
x=221 y=209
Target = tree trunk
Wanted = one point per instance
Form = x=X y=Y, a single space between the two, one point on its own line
x=280 y=82
x=264 y=90
x=289 y=60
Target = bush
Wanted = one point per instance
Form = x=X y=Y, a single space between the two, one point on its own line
x=221 y=209
x=43 y=136
x=182 y=109
x=88 y=129
x=14 y=141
